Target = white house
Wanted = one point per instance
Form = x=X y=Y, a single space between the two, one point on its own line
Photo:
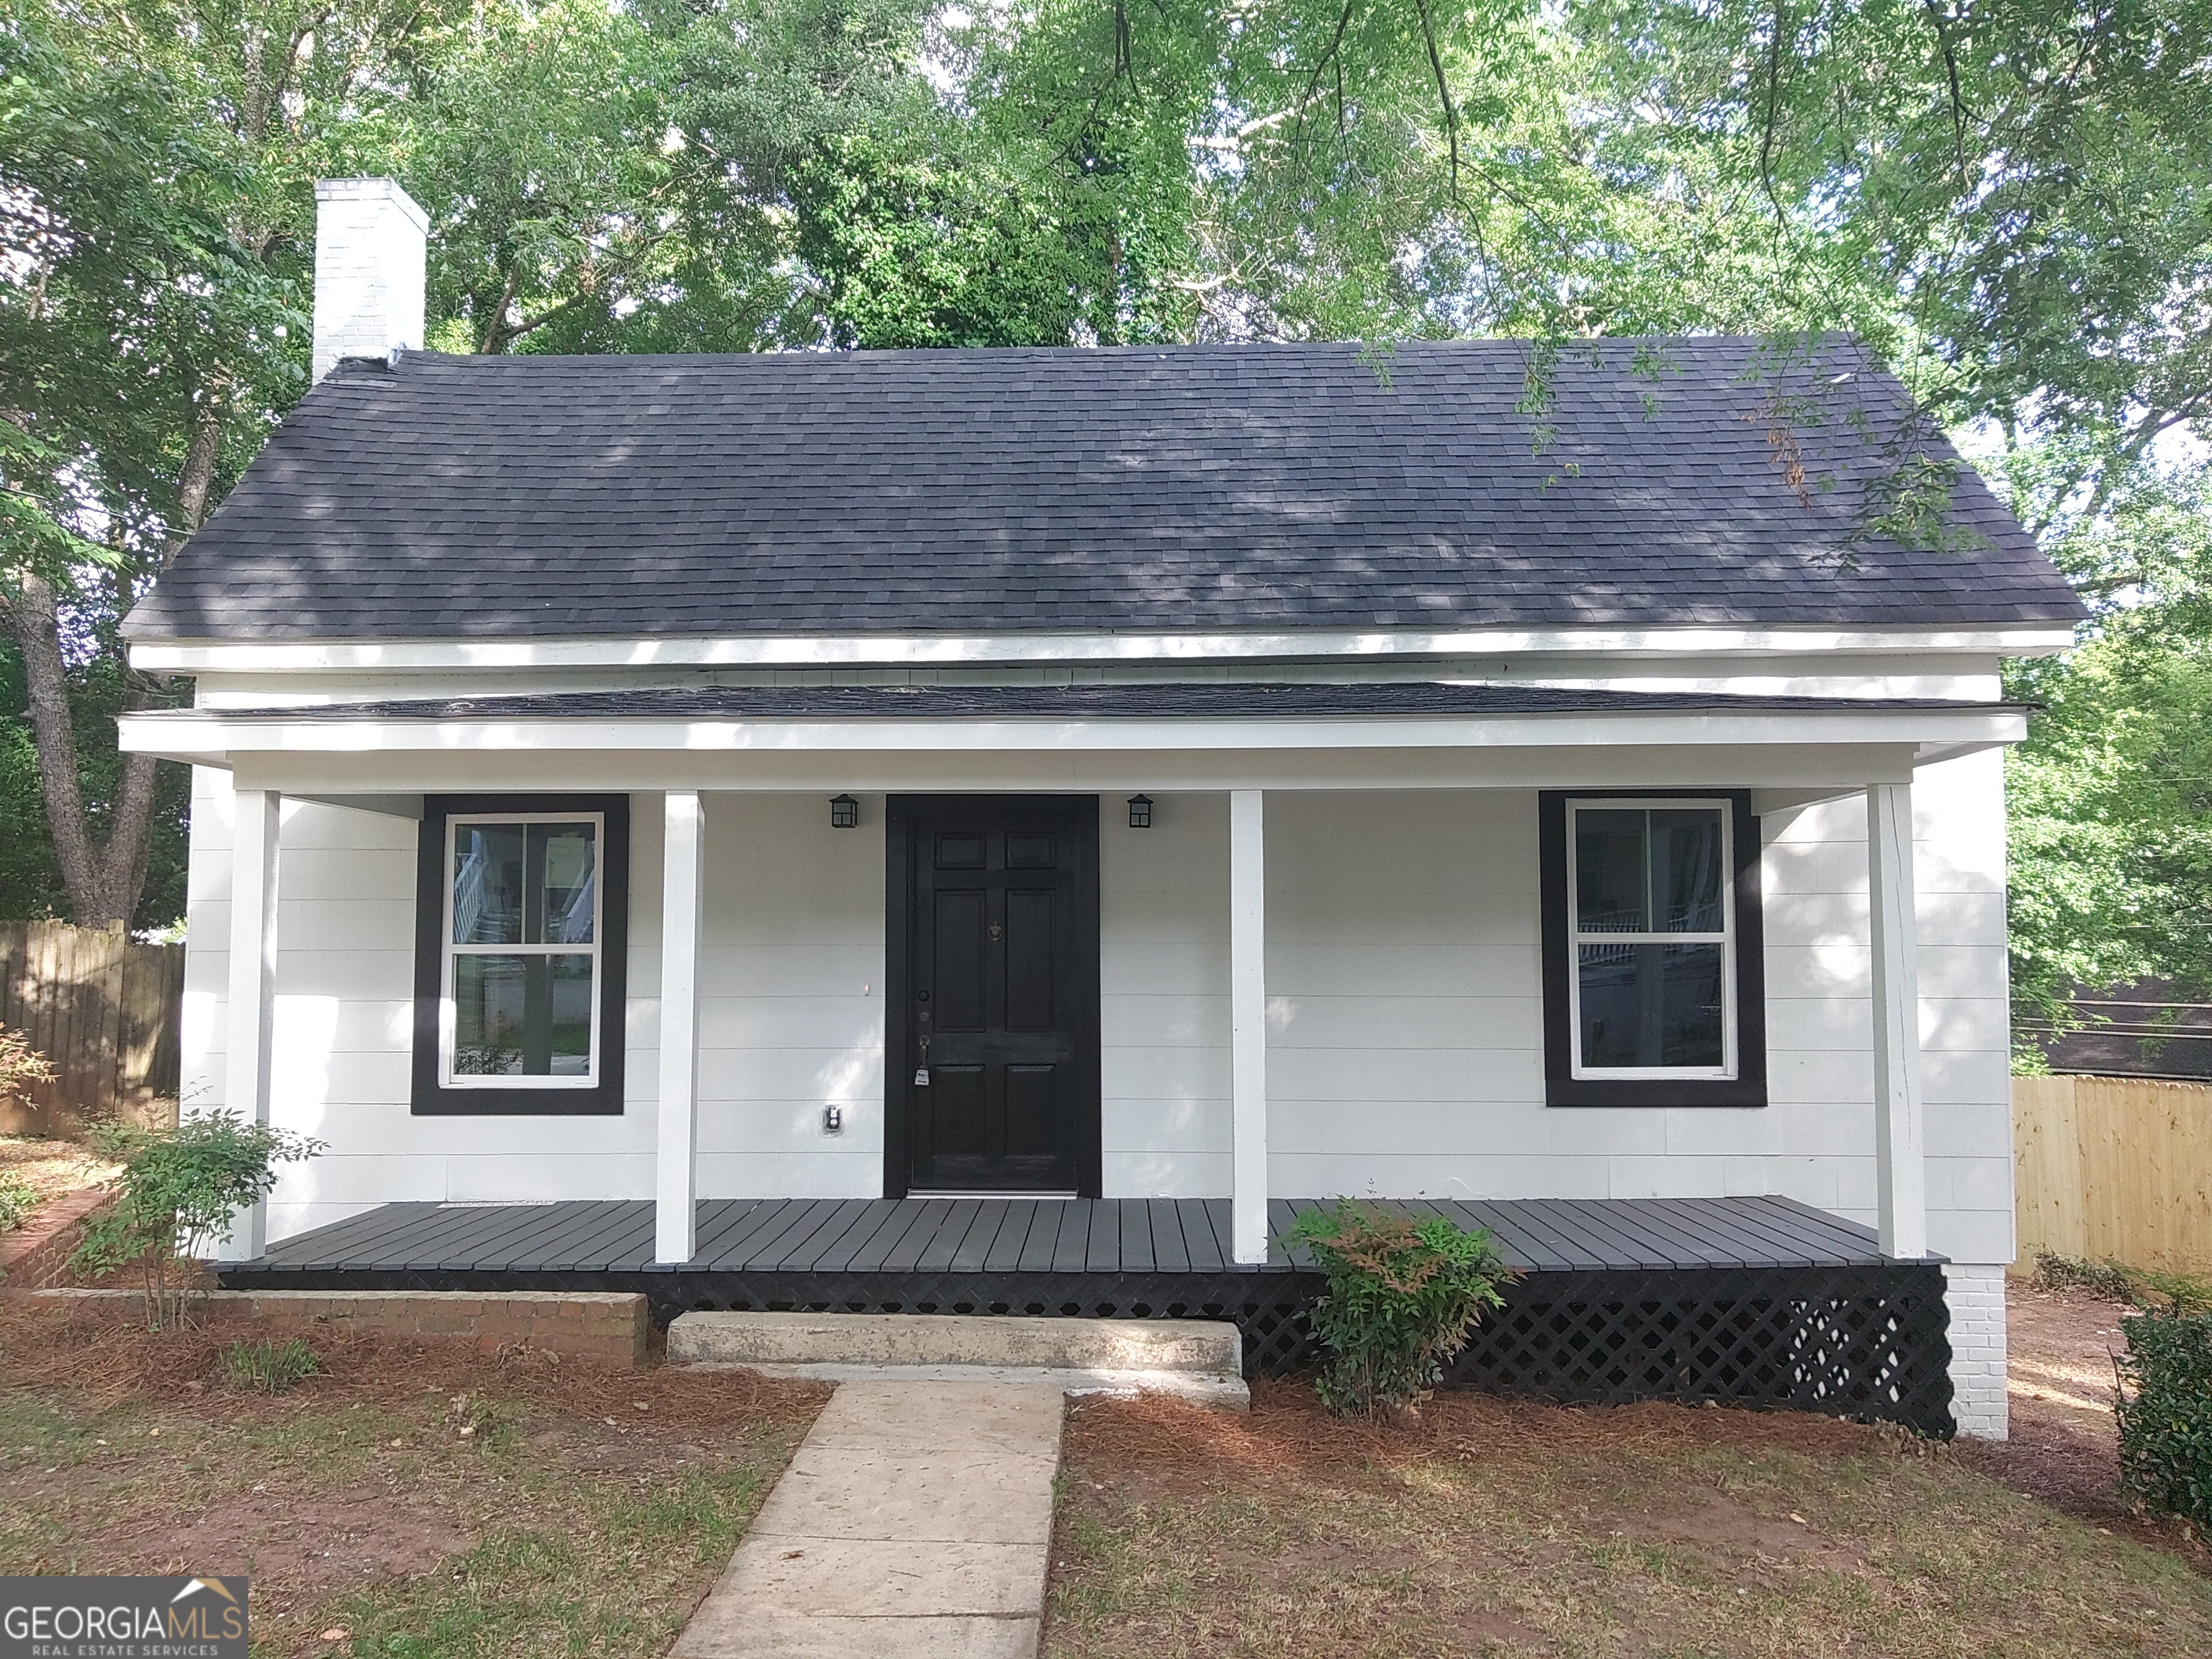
x=978 y=786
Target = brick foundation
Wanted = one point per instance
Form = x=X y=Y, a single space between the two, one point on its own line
x=36 y=1253
x=605 y=1328
x=1976 y=1298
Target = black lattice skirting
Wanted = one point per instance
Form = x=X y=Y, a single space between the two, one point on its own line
x=1868 y=1342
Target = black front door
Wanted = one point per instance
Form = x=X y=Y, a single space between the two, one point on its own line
x=993 y=1040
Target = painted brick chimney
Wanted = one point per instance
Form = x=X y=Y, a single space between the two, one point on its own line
x=370 y=247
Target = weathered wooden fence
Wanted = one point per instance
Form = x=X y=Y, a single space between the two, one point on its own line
x=104 y=1009
x=2114 y=1168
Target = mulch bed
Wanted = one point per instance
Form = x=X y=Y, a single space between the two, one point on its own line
x=86 y=1351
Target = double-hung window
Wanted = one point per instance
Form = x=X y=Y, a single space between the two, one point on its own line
x=518 y=980
x=1652 y=981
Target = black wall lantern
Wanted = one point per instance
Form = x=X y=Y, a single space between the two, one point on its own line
x=844 y=813
x=1140 y=811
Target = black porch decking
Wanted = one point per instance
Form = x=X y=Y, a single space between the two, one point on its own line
x=1750 y=1301
x=999 y=1236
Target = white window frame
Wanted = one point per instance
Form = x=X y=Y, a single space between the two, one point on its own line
x=1726 y=938
x=449 y=952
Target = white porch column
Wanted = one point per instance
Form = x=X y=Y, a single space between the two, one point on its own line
x=1899 y=1140
x=1248 y=1025
x=252 y=1008
x=682 y=877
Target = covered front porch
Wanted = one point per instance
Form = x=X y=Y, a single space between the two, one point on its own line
x=1263 y=754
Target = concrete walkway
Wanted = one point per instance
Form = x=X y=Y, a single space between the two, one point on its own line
x=914 y=1522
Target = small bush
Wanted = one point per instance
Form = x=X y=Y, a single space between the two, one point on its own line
x=266 y=1366
x=1402 y=1297
x=2164 y=1408
x=21 y=1065
x=16 y=1201
x=181 y=1188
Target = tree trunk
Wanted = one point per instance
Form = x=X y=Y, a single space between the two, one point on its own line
x=198 y=477
x=103 y=881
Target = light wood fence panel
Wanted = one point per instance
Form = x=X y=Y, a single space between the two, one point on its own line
x=2114 y=1169
x=104 y=1009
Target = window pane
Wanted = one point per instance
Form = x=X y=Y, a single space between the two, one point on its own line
x=490 y=995
x=569 y=1038
x=1609 y=871
x=1652 y=1005
x=522 y=1015
x=1686 y=872
x=564 y=857
x=488 y=884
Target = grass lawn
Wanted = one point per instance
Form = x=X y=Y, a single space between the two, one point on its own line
x=1501 y=1528
x=423 y=1502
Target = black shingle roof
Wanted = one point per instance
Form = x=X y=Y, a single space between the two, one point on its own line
x=1238 y=700
x=1228 y=486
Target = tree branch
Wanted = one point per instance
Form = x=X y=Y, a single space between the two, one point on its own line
x=1443 y=94
x=1773 y=111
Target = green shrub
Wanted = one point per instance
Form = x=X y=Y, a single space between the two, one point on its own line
x=268 y=1367
x=16 y=1201
x=2164 y=1408
x=181 y=1189
x=1402 y=1297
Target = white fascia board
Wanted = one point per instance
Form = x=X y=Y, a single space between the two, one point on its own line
x=1850 y=767
x=943 y=650
x=210 y=738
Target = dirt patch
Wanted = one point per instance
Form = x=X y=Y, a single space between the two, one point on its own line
x=51 y=1167
x=1718 y=1526
x=309 y=1544
x=2060 y=1346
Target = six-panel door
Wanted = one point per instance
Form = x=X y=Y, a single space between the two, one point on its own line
x=1000 y=1068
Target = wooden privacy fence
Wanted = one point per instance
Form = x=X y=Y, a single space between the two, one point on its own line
x=2114 y=1168
x=104 y=1009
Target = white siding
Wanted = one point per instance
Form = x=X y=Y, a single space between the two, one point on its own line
x=791 y=1012
x=1164 y=983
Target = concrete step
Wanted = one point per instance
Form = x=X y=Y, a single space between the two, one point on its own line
x=1201 y=1360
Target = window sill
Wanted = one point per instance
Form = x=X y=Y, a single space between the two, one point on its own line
x=1654 y=1092
x=518 y=1103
